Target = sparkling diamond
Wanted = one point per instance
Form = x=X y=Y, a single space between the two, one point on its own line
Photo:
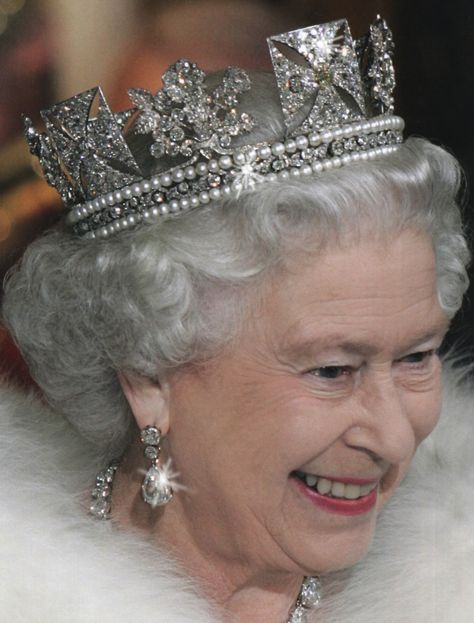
x=237 y=79
x=175 y=92
x=372 y=139
x=177 y=116
x=100 y=507
x=147 y=122
x=214 y=181
x=100 y=478
x=82 y=227
x=263 y=168
x=337 y=148
x=161 y=101
x=177 y=134
x=183 y=66
x=310 y=594
x=298 y=616
x=157 y=150
x=322 y=151
x=350 y=144
x=225 y=141
x=186 y=148
x=115 y=212
x=278 y=165
x=151 y=452
x=165 y=125
x=296 y=84
x=150 y=436
x=158 y=197
x=173 y=193
x=247 y=121
x=156 y=489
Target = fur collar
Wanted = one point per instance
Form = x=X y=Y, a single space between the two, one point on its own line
x=58 y=565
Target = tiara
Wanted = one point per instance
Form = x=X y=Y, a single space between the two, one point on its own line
x=336 y=96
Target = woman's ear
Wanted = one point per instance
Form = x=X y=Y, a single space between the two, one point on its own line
x=148 y=400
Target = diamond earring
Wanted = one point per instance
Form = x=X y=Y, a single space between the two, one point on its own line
x=156 y=487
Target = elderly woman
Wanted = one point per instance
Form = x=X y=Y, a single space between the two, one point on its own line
x=240 y=319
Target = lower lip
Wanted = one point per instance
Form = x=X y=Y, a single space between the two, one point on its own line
x=339 y=506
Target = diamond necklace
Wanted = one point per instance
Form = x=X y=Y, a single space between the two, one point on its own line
x=308 y=598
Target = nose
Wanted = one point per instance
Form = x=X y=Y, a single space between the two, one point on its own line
x=381 y=422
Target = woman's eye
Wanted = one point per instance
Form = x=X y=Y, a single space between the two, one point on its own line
x=418 y=359
x=331 y=372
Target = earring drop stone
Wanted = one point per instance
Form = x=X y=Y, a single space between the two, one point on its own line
x=156 y=487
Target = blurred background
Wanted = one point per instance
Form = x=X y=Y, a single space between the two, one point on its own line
x=52 y=49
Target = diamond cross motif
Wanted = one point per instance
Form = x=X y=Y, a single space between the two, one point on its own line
x=318 y=76
x=40 y=146
x=94 y=153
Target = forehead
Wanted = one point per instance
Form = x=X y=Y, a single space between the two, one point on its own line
x=372 y=290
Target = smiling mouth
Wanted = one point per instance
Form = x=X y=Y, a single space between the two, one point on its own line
x=335 y=488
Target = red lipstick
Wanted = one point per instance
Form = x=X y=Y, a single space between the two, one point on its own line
x=340 y=506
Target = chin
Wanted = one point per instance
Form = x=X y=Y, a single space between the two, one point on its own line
x=350 y=545
x=336 y=549
x=334 y=533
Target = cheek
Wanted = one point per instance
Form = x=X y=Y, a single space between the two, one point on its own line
x=424 y=412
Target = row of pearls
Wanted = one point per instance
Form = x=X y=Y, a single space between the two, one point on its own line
x=153 y=214
x=156 y=212
x=316 y=139
x=238 y=159
x=333 y=163
x=158 y=182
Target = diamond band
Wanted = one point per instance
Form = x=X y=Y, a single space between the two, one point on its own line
x=309 y=598
x=183 y=189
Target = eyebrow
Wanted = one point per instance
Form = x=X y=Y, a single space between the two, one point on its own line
x=355 y=347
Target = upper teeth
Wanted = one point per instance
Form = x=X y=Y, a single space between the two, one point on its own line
x=324 y=486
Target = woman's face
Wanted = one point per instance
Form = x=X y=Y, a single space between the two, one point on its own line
x=332 y=386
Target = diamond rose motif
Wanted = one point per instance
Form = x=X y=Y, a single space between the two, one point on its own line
x=184 y=119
